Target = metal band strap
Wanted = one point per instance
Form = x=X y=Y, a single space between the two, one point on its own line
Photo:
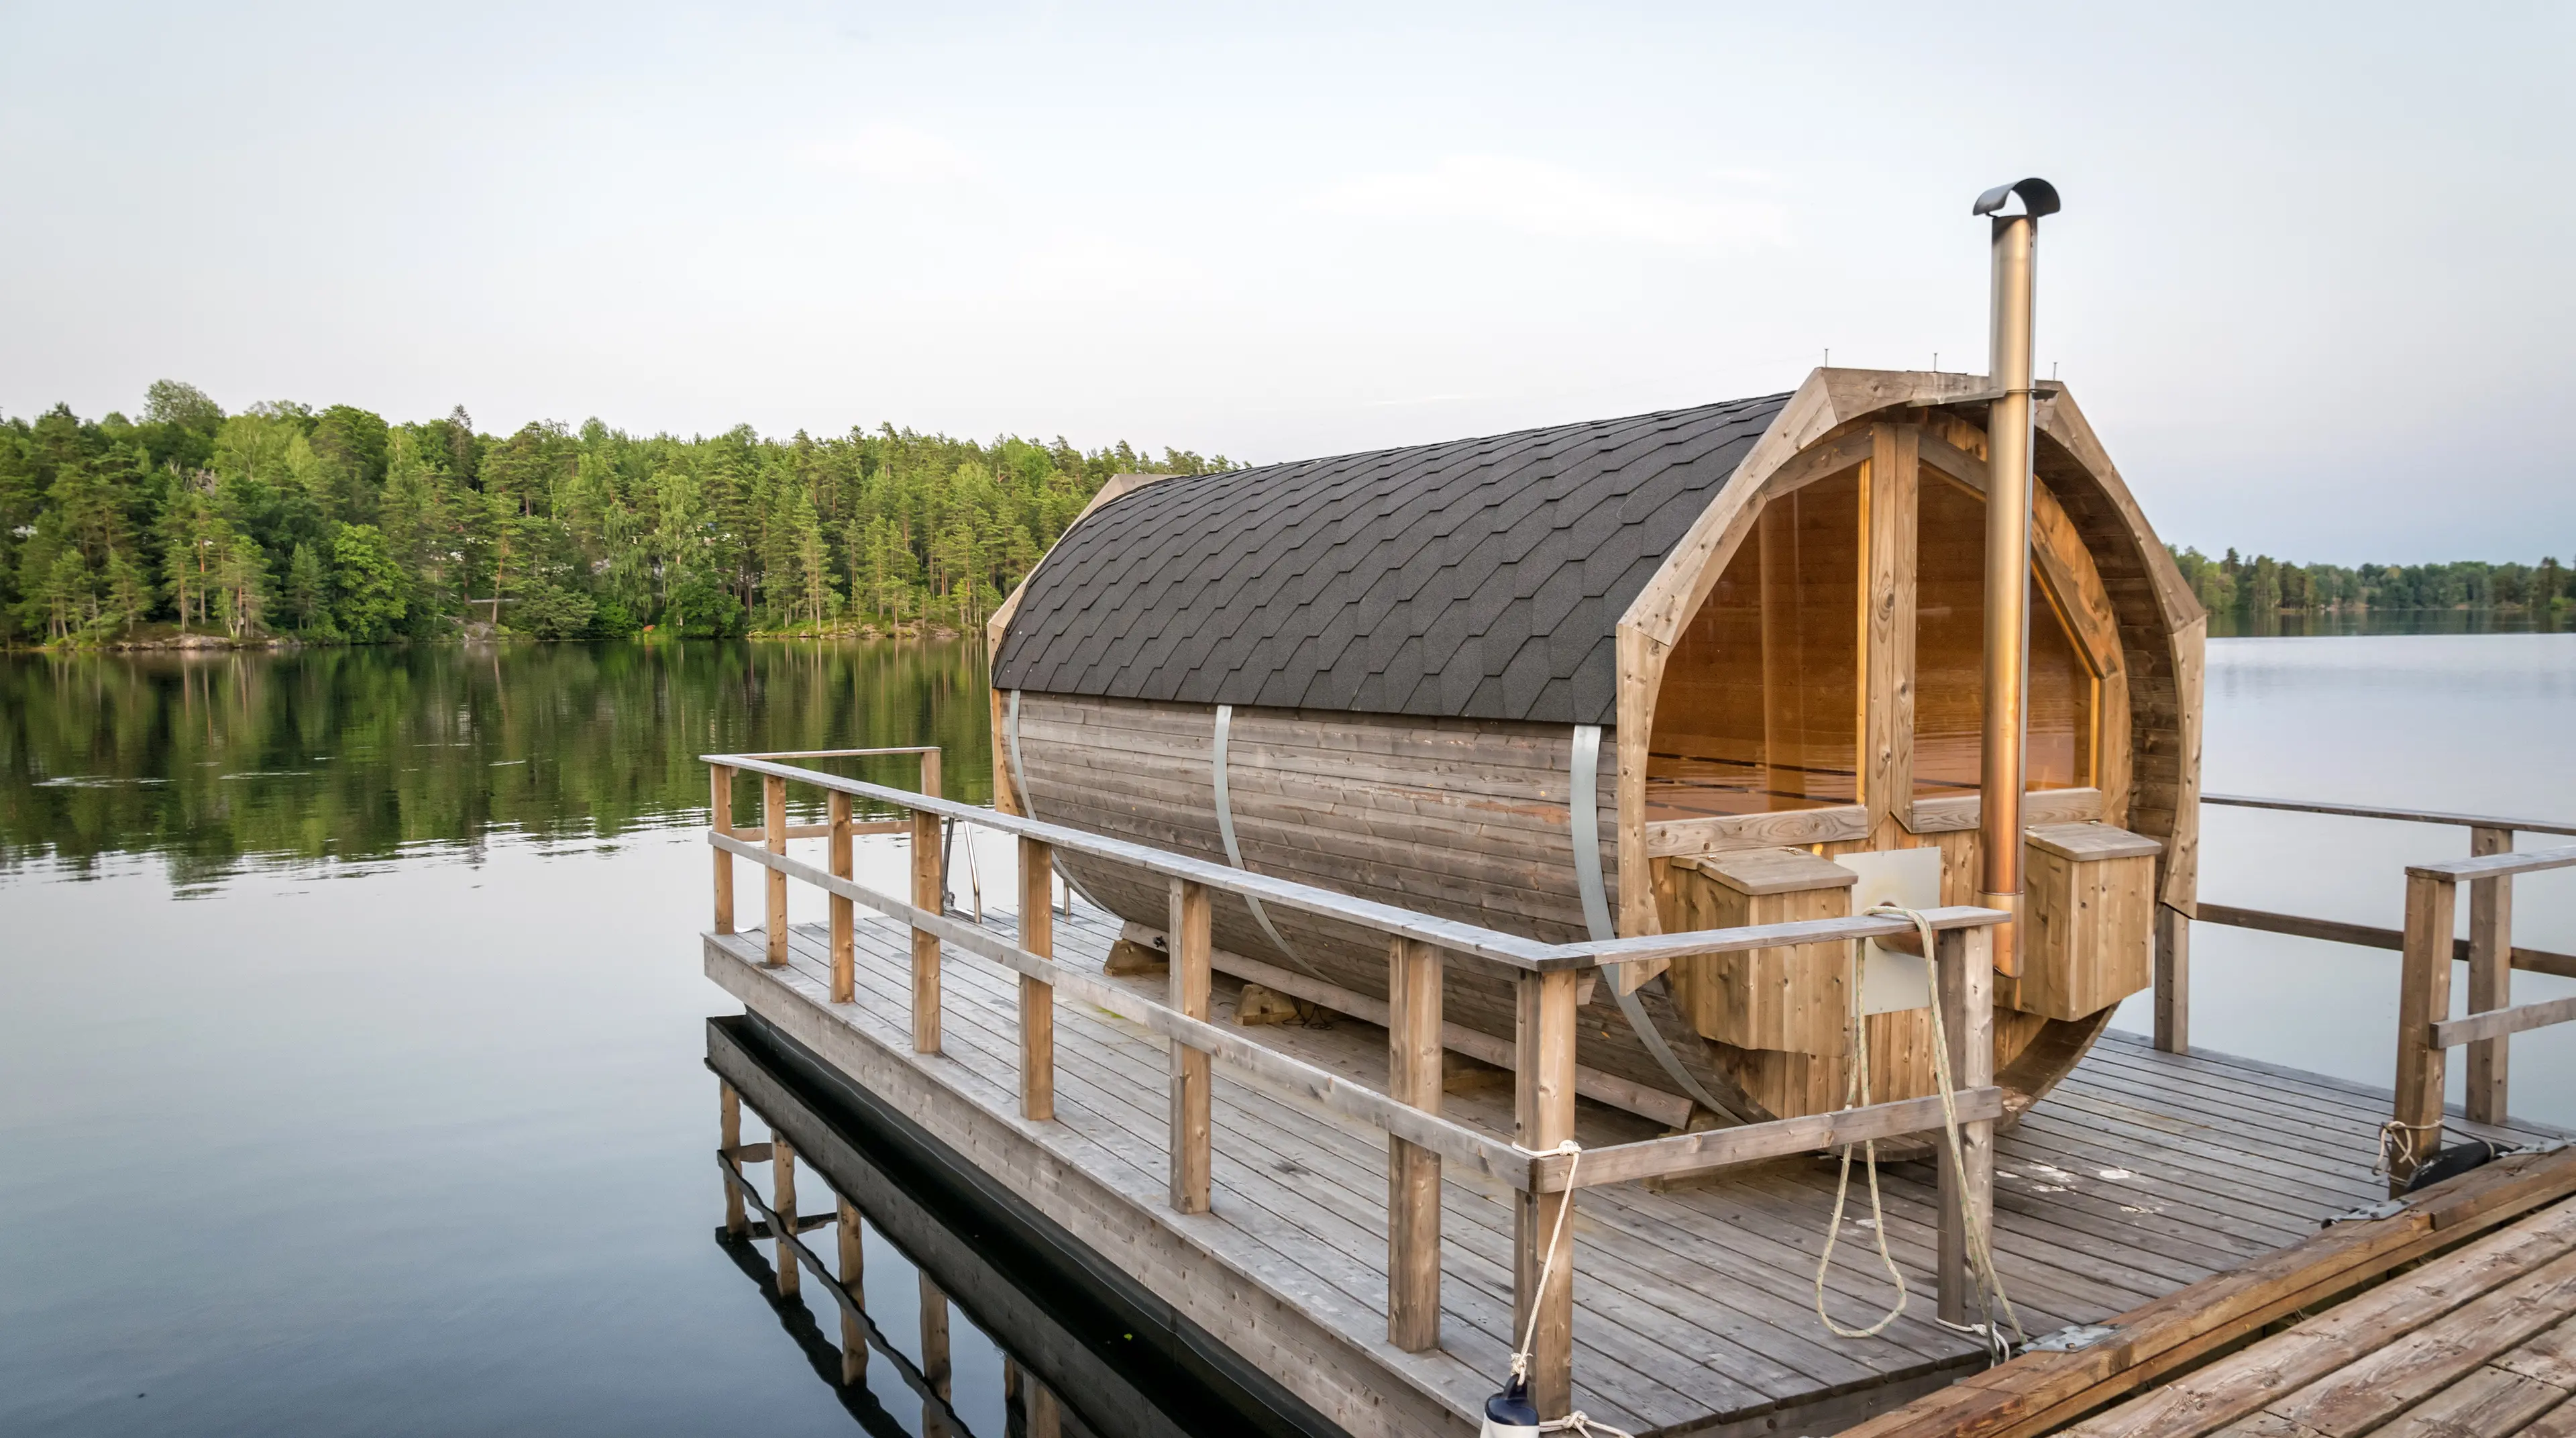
x=1233 y=851
x=1583 y=808
x=1019 y=771
x=1020 y=782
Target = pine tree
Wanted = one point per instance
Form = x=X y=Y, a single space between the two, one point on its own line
x=307 y=591
x=129 y=591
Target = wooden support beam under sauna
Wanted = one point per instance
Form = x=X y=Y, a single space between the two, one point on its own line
x=1583 y=682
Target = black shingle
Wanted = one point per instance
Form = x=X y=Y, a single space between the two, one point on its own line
x=1477 y=578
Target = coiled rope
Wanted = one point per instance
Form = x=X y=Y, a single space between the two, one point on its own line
x=1979 y=1244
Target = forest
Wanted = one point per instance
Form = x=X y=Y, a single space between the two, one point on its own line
x=2264 y=585
x=336 y=525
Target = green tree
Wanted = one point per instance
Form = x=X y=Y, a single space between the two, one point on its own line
x=129 y=591
x=368 y=584
x=69 y=595
x=240 y=579
x=173 y=402
x=308 y=595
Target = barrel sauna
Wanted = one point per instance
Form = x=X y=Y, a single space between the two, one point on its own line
x=1708 y=667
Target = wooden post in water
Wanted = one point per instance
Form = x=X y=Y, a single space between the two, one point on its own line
x=729 y=1138
x=782 y=1203
x=1037 y=999
x=2490 y=975
x=1543 y=1057
x=1187 y=934
x=773 y=825
x=844 y=921
x=926 y=895
x=935 y=1368
x=852 y=1272
x=720 y=819
x=1965 y=975
x=1413 y=1063
x=2173 y=980
x=2423 y=995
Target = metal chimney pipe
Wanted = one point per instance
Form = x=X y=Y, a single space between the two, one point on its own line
x=2008 y=482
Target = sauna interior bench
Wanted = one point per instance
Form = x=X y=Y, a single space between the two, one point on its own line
x=2143 y=1173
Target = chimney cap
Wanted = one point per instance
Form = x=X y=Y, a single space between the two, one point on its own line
x=2038 y=197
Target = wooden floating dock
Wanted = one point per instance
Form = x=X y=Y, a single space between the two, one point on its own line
x=2143 y=1174
x=1619 y=791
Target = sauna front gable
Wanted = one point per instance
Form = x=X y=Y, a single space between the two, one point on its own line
x=1741 y=641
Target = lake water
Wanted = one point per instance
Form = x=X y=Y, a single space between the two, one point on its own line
x=351 y=1026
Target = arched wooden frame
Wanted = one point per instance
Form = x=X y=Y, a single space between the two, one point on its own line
x=1895 y=423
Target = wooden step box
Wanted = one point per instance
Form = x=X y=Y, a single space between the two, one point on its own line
x=2089 y=903
x=1788 y=999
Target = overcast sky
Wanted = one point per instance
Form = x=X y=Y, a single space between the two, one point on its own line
x=2313 y=280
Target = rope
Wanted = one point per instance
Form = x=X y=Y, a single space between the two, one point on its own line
x=1576 y=1422
x=2394 y=1150
x=1856 y=1095
x=1547 y=1266
x=1979 y=1243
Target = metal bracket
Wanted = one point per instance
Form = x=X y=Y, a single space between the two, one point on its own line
x=2385 y=1208
x=2071 y=1340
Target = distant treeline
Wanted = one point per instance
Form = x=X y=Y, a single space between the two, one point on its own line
x=335 y=525
x=2264 y=585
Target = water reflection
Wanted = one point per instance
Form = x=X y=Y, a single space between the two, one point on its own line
x=233 y=761
x=947 y=1308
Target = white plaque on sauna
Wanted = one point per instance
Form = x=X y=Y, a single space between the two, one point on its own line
x=1911 y=877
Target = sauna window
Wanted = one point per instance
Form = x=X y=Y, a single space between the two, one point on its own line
x=1760 y=705
x=1949 y=659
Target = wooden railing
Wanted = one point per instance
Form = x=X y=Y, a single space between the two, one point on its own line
x=2425 y=1033
x=1421 y=1142
x=2430 y=946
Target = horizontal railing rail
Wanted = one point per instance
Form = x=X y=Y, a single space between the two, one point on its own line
x=1492 y=945
x=1540 y=1166
x=2402 y=816
x=2368 y=936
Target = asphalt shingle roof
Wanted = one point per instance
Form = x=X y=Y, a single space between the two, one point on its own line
x=1481 y=578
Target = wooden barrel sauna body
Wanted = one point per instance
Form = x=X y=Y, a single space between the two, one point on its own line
x=1735 y=631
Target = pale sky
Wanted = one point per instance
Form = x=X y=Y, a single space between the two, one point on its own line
x=2312 y=284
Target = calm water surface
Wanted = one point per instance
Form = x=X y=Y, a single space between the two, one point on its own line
x=351 y=1024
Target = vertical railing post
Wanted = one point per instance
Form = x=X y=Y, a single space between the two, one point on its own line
x=720 y=819
x=2490 y=975
x=782 y=1205
x=2423 y=996
x=844 y=922
x=1543 y=1056
x=728 y=1139
x=852 y=1271
x=925 y=895
x=1037 y=999
x=1188 y=938
x=1413 y=1062
x=935 y=1368
x=2173 y=980
x=773 y=834
x=1964 y=969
